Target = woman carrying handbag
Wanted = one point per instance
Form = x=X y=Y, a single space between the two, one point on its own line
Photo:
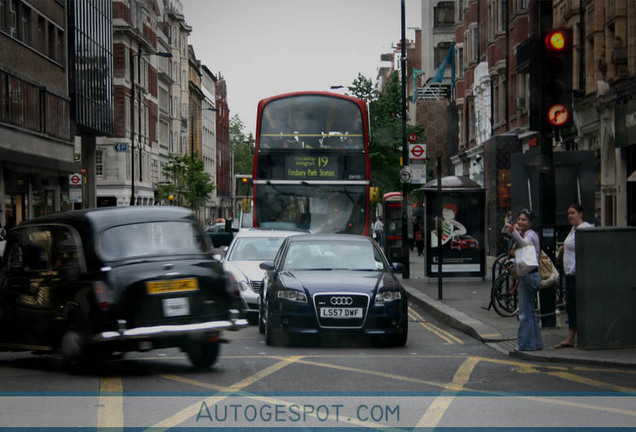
x=529 y=333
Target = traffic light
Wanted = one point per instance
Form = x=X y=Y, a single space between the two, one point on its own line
x=246 y=205
x=555 y=63
x=374 y=194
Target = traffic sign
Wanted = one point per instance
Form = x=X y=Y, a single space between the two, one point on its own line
x=417 y=152
x=412 y=137
x=75 y=180
x=558 y=115
x=83 y=171
x=121 y=147
x=418 y=174
x=405 y=175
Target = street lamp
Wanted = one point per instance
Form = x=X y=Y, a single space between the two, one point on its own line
x=138 y=54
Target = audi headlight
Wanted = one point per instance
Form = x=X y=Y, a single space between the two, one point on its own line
x=292 y=295
x=387 y=296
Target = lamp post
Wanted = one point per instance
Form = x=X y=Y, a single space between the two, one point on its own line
x=138 y=54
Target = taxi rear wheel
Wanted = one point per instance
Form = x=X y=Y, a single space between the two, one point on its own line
x=203 y=354
x=74 y=353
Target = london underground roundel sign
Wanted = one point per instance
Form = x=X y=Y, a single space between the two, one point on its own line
x=75 y=180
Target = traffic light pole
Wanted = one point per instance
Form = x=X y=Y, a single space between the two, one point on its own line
x=554 y=112
x=405 y=153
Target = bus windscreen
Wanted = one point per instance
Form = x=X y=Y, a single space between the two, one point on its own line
x=311 y=122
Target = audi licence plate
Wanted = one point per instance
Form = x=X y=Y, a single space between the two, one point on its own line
x=340 y=312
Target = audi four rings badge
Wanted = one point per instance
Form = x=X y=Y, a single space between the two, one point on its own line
x=341 y=301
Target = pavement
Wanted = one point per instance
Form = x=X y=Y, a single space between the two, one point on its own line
x=464 y=306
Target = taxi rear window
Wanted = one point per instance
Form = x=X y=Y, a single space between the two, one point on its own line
x=151 y=239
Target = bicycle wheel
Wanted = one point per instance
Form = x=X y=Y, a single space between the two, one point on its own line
x=498 y=266
x=505 y=296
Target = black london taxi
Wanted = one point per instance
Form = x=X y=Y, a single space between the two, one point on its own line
x=89 y=283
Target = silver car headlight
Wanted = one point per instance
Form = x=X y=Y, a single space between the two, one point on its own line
x=292 y=295
x=244 y=286
x=387 y=296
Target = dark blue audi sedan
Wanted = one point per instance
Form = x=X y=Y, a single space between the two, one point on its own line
x=332 y=284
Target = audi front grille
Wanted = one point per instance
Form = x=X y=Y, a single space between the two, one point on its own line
x=341 y=310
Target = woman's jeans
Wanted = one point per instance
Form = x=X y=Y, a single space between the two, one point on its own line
x=529 y=333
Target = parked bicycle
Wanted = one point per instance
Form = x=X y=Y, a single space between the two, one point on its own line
x=504 y=294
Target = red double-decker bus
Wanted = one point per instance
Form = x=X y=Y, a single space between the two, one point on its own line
x=311 y=163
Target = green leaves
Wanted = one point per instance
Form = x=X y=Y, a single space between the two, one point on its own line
x=385 y=147
x=242 y=146
x=186 y=182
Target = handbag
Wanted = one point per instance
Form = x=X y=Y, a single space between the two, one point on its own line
x=549 y=273
x=525 y=259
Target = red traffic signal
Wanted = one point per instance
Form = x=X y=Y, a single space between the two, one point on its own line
x=554 y=76
x=556 y=41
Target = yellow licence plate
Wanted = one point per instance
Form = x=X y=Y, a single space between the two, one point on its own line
x=172 y=286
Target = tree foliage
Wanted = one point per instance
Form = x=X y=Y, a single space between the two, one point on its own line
x=242 y=146
x=362 y=88
x=385 y=147
x=186 y=181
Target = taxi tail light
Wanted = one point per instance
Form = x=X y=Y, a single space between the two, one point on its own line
x=102 y=295
x=234 y=286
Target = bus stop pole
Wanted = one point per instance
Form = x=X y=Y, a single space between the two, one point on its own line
x=405 y=153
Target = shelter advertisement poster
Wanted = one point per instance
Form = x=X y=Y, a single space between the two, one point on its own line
x=462 y=237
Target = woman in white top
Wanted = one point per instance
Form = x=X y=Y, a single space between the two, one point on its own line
x=575 y=217
x=529 y=334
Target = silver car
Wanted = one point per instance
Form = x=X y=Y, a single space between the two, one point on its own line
x=248 y=249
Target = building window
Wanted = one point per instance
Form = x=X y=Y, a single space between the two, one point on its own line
x=40 y=34
x=440 y=53
x=13 y=18
x=460 y=124
x=3 y=15
x=59 y=43
x=154 y=170
x=24 y=24
x=444 y=14
x=459 y=11
x=471 y=119
x=495 y=98
x=459 y=61
x=471 y=44
x=99 y=163
x=521 y=97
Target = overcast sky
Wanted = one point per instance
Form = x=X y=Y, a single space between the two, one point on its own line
x=267 y=47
